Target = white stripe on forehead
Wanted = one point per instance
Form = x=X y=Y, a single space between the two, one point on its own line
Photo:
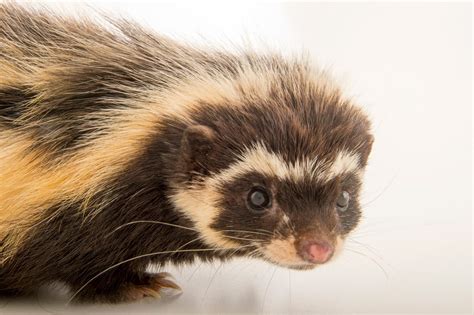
x=345 y=162
x=258 y=159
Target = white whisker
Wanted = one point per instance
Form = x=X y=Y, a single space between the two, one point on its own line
x=149 y=255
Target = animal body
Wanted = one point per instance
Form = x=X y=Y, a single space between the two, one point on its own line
x=120 y=148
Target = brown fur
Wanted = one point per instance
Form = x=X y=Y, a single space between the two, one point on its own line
x=106 y=125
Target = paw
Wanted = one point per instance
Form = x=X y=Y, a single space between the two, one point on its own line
x=150 y=285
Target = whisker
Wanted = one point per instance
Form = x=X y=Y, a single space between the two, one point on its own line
x=147 y=255
x=368 y=247
x=245 y=231
x=253 y=253
x=151 y=222
x=257 y=231
x=371 y=259
x=199 y=266
x=374 y=251
x=266 y=289
x=263 y=230
x=243 y=238
x=289 y=289
x=128 y=260
x=210 y=281
x=381 y=193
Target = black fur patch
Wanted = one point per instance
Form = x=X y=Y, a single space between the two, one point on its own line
x=12 y=101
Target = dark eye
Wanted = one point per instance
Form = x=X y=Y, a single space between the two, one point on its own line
x=258 y=199
x=343 y=201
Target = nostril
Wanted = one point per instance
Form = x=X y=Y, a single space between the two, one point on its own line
x=316 y=252
x=319 y=252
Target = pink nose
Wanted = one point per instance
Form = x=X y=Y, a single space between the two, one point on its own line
x=316 y=252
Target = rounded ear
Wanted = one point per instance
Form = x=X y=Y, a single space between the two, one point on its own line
x=196 y=145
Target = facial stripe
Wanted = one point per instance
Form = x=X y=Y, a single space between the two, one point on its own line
x=258 y=159
x=198 y=204
x=345 y=162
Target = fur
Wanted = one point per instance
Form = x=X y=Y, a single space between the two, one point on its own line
x=103 y=125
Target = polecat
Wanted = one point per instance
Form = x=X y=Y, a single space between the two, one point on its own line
x=120 y=147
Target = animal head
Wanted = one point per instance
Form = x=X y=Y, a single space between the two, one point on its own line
x=278 y=171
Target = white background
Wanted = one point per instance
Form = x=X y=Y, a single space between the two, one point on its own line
x=409 y=65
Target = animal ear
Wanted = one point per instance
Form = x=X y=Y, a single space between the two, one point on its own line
x=196 y=145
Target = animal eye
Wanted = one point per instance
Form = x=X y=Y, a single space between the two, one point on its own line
x=258 y=199
x=343 y=201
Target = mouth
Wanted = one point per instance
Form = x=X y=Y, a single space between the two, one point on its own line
x=285 y=257
x=294 y=265
x=304 y=266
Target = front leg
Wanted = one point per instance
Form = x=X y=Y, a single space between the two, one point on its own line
x=123 y=286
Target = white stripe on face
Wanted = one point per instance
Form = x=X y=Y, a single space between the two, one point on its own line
x=258 y=159
x=345 y=162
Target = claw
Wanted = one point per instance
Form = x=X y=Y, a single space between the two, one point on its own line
x=152 y=286
x=160 y=280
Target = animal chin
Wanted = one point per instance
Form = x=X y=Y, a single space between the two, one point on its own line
x=294 y=265
x=302 y=267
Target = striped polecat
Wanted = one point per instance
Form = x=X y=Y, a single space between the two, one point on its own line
x=120 y=148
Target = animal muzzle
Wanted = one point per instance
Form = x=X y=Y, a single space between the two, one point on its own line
x=314 y=250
